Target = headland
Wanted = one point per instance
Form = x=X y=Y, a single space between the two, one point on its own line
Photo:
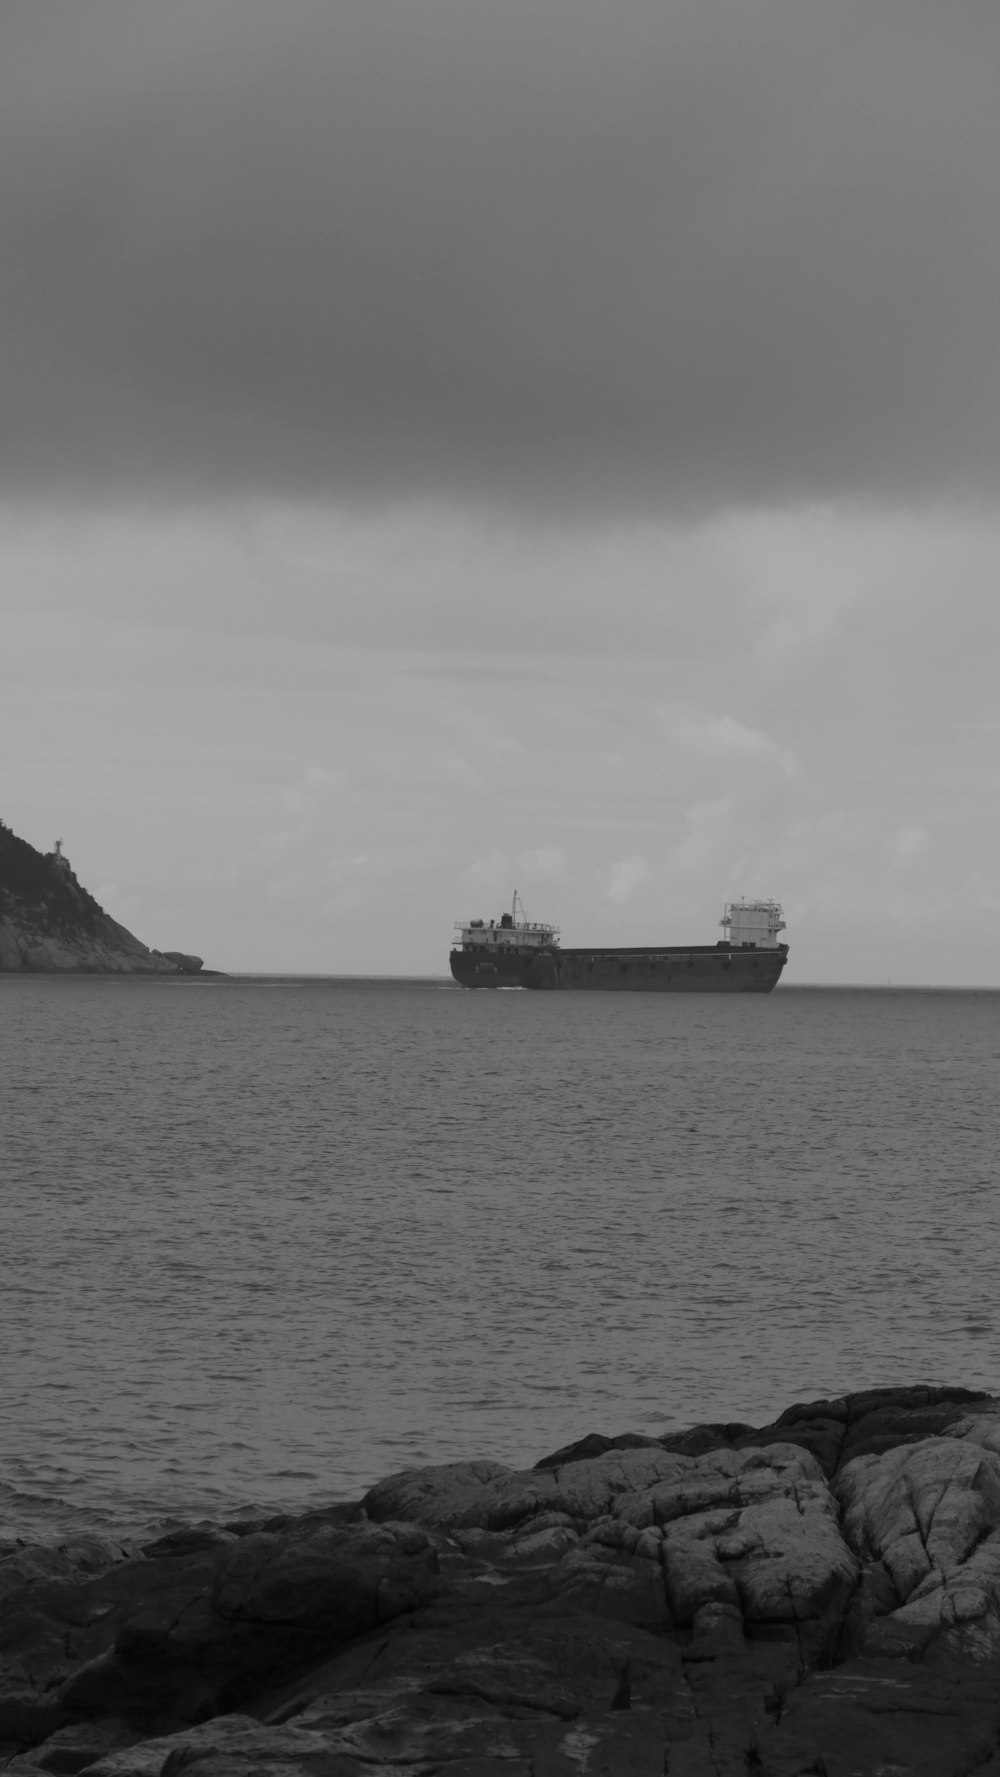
x=49 y=924
x=818 y=1595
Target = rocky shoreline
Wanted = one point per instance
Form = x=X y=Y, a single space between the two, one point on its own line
x=819 y=1595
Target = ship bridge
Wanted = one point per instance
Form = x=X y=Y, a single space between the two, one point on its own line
x=504 y=934
x=753 y=924
x=510 y=932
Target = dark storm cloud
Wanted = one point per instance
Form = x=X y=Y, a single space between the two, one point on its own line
x=650 y=251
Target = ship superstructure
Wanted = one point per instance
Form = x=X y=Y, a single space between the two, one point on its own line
x=753 y=924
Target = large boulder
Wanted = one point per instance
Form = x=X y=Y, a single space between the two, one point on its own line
x=174 y=1639
x=742 y=1544
x=877 y=1419
x=58 y=1607
x=490 y=1496
x=925 y=1520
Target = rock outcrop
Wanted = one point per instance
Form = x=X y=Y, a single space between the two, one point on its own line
x=49 y=924
x=821 y=1595
x=189 y=965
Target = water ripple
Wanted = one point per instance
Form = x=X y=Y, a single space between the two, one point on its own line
x=266 y=1242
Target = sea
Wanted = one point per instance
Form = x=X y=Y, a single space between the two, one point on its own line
x=265 y=1241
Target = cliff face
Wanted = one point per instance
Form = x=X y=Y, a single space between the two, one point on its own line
x=50 y=924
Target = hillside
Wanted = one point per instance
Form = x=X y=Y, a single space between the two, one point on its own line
x=49 y=924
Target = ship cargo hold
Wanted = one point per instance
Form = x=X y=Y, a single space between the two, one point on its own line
x=516 y=952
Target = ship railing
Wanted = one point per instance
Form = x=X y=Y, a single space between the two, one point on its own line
x=536 y=928
x=466 y=930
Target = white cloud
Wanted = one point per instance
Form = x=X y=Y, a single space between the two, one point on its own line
x=627 y=876
x=547 y=864
x=725 y=738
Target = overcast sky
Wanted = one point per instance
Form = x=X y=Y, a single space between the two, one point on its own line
x=452 y=446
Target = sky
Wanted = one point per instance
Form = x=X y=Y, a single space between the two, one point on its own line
x=453 y=448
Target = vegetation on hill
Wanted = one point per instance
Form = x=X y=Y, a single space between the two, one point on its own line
x=32 y=882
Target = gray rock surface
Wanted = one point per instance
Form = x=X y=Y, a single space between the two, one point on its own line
x=105 y=948
x=734 y=1603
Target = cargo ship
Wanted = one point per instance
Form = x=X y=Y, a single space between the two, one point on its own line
x=516 y=952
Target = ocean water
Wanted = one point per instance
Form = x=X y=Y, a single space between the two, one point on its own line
x=265 y=1241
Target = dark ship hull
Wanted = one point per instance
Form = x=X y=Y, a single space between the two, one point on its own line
x=695 y=968
x=499 y=969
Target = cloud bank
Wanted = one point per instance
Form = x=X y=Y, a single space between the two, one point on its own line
x=649 y=256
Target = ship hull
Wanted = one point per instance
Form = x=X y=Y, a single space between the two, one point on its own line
x=500 y=969
x=708 y=968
